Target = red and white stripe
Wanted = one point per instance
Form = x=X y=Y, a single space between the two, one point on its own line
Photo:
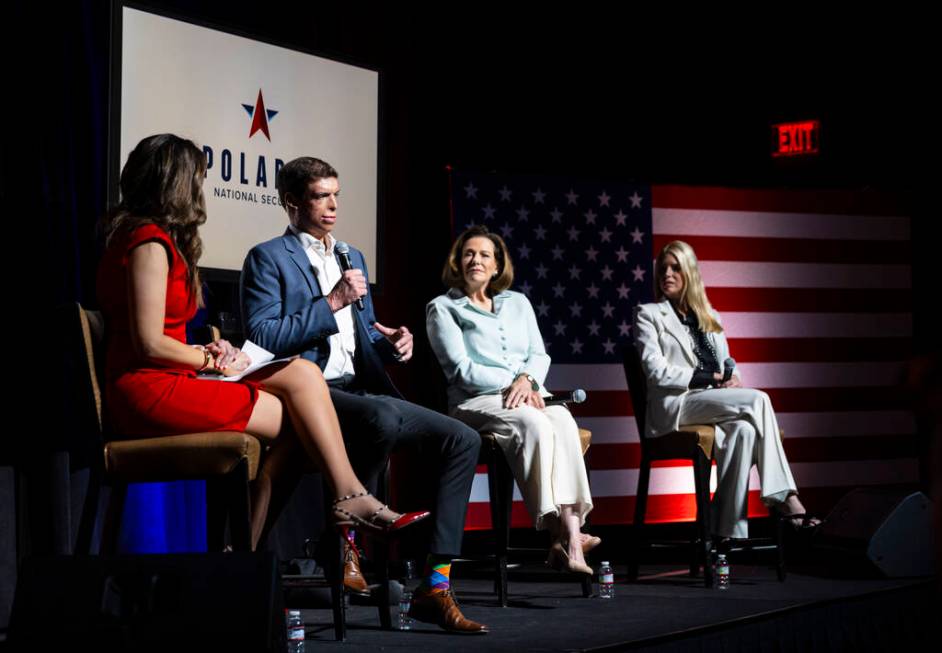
x=814 y=289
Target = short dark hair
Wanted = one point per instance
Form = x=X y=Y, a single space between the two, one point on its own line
x=295 y=175
x=452 y=275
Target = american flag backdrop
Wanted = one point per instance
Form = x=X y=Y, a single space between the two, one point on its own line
x=814 y=289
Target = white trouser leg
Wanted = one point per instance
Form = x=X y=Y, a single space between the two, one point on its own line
x=543 y=450
x=747 y=433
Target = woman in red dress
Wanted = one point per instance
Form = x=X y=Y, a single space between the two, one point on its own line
x=149 y=287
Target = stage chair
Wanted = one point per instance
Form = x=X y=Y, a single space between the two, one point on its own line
x=693 y=442
x=501 y=489
x=228 y=461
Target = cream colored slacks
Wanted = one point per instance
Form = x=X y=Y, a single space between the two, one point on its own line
x=543 y=450
x=747 y=434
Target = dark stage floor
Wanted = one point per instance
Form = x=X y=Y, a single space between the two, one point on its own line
x=666 y=609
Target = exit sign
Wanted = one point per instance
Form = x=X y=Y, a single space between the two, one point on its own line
x=796 y=138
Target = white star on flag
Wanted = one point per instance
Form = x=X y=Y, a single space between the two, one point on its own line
x=590 y=216
x=505 y=194
x=591 y=253
x=540 y=232
x=574 y=272
x=576 y=309
x=636 y=236
x=525 y=288
x=609 y=346
x=639 y=273
x=604 y=198
x=524 y=251
x=576 y=346
x=471 y=191
x=623 y=291
x=607 y=273
x=559 y=289
x=542 y=308
x=620 y=218
x=605 y=234
x=560 y=327
x=506 y=230
x=593 y=291
x=541 y=271
x=556 y=215
x=557 y=253
x=571 y=196
x=624 y=329
x=594 y=328
x=489 y=212
x=573 y=233
x=607 y=310
x=538 y=196
x=635 y=200
x=622 y=254
x=522 y=214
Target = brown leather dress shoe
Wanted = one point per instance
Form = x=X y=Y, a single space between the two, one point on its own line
x=353 y=579
x=441 y=608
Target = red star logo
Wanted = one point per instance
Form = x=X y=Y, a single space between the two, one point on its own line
x=260 y=116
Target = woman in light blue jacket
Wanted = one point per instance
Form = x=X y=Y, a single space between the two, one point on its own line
x=488 y=343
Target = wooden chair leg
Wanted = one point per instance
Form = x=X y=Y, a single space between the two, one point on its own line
x=334 y=574
x=112 y=527
x=637 y=527
x=216 y=514
x=704 y=544
x=381 y=560
x=780 y=548
x=499 y=523
x=587 y=580
x=86 y=532
x=240 y=521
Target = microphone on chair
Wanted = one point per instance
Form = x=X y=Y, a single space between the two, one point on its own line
x=576 y=396
x=343 y=253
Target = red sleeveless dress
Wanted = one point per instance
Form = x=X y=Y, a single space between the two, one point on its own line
x=145 y=400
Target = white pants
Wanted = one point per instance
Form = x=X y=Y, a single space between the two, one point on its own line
x=746 y=434
x=543 y=450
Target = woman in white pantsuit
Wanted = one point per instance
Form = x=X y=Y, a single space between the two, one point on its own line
x=489 y=345
x=686 y=360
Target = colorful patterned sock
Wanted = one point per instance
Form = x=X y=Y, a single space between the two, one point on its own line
x=436 y=575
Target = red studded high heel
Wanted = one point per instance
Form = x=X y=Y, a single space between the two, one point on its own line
x=374 y=523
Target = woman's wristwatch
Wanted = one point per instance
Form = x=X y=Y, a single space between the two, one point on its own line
x=533 y=384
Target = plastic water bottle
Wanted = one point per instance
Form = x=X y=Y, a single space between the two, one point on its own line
x=606 y=581
x=405 y=603
x=295 y=631
x=722 y=572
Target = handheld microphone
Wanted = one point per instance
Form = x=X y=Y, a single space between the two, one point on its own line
x=576 y=396
x=728 y=366
x=343 y=253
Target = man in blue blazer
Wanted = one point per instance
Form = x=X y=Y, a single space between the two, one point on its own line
x=296 y=299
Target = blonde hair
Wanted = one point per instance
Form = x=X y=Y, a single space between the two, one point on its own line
x=694 y=294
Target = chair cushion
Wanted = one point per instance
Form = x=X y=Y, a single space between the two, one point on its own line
x=585 y=439
x=176 y=457
x=682 y=442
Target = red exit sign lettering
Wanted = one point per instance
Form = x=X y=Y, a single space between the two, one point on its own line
x=796 y=138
